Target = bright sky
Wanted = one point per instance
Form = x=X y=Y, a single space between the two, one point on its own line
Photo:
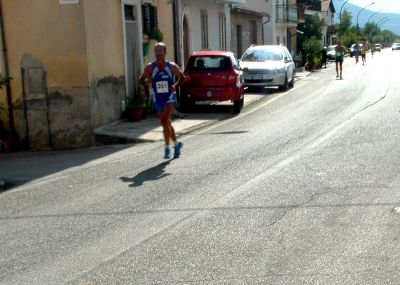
x=389 y=6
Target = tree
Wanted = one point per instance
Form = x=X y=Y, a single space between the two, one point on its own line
x=345 y=22
x=313 y=27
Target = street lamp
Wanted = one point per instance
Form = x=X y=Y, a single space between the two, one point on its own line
x=370 y=17
x=358 y=15
x=340 y=13
x=383 y=19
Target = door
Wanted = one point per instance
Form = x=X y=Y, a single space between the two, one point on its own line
x=186 y=41
x=131 y=50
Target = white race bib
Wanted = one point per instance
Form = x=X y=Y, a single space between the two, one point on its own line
x=162 y=87
x=339 y=54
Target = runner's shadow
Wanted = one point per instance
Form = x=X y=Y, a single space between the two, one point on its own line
x=152 y=174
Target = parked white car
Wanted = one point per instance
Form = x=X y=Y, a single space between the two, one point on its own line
x=331 y=52
x=268 y=66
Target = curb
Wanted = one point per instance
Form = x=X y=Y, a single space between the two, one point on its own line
x=2 y=184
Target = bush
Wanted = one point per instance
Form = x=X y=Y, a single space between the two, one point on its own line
x=313 y=52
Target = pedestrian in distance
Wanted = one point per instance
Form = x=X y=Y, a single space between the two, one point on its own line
x=160 y=76
x=364 y=54
x=357 y=52
x=324 y=56
x=340 y=51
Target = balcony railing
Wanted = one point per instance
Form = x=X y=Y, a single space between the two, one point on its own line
x=286 y=14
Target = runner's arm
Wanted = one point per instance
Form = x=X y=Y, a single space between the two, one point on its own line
x=179 y=75
x=145 y=78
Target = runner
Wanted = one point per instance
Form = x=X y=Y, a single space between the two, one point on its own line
x=339 y=59
x=357 y=52
x=364 y=54
x=160 y=77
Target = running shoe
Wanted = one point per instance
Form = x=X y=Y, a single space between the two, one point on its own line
x=177 y=149
x=167 y=153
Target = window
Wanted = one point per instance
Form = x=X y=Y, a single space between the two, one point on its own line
x=150 y=18
x=204 y=29
x=210 y=63
x=239 y=40
x=222 y=32
x=253 y=32
x=129 y=13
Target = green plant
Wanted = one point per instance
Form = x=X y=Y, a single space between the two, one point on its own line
x=5 y=80
x=156 y=35
x=137 y=102
x=313 y=52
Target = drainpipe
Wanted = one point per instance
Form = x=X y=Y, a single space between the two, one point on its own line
x=177 y=46
x=11 y=124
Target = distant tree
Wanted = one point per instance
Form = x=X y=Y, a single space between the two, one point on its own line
x=345 y=23
x=313 y=27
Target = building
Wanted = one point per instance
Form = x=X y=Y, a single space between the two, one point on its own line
x=251 y=24
x=203 y=25
x=327 y=14
x=75 y=63
x=325 y=10
x=286 y=17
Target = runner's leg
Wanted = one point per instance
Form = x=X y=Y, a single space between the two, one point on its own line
x=337 y=68
x=168 y=108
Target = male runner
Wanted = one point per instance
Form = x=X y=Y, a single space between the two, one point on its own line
x=339 y=59
x=364 y=54
x=160 y=77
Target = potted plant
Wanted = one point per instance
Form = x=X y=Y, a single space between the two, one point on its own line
x=5 y=136
x=156 y=35
x=135 y=107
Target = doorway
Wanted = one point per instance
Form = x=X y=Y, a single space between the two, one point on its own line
x=186 y=40
x=131 y=50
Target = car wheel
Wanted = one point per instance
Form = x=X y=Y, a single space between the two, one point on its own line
x=285 y=85
x=237 y=105
x=291 y=84
x=187 y=105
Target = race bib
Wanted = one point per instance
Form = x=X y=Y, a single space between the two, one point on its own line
x=162 y=87
x=339 y=54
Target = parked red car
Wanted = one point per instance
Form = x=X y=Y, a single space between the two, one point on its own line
x=213 y=76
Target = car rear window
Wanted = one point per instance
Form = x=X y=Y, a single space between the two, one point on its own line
x=261 y=55
x=209 y=63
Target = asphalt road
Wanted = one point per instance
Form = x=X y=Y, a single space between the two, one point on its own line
x=301 y=188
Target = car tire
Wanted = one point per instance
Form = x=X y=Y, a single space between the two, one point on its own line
x=238 y=105
x=285 y=85
x=187 y=105
x=291 y=84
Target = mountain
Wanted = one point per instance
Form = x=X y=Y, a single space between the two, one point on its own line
x=393 y=25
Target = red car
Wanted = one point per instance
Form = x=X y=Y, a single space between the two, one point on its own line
x=213 y=76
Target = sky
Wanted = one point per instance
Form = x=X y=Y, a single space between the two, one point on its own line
x=388 y=6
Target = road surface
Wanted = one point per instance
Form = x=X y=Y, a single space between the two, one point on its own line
x=302 y=188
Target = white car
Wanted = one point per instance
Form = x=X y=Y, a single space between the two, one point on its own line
x=396 y=46
x=331 y=52
x=268 y=66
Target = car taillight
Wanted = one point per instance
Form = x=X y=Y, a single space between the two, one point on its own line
x=233 y=78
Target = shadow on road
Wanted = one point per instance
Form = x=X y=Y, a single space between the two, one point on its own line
x=152 y=174
x=22 y=167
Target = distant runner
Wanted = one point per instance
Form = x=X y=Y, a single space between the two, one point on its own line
x=364 y=54
x=339 y=59
x=160 y=77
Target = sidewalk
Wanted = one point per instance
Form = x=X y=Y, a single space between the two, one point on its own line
x=149 y=129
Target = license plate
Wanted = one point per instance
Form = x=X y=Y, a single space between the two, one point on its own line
x=257 y=77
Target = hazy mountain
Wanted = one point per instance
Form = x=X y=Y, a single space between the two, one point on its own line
x=393 y=25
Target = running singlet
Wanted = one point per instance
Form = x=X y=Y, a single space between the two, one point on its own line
x=163 y=79
x=339 y=54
